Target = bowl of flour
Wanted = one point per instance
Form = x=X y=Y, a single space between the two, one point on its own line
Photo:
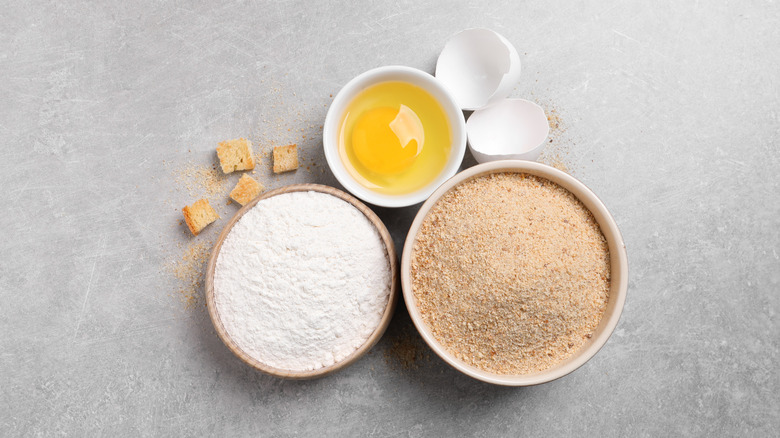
x=302 y=281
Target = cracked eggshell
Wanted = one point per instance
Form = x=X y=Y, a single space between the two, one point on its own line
x=478 y=67
x=513 y=129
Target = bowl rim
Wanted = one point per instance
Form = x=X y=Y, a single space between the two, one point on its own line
x=352 y=357
x=374 y=76
x=618 y=267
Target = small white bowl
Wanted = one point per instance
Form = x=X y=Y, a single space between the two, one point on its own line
x=330 y=133
x=618 y=271
x=512 y=129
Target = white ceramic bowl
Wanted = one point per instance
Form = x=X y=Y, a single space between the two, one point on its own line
x=330 y=133
x=618 y=267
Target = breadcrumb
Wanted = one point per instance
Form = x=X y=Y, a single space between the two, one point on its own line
x=511 y=273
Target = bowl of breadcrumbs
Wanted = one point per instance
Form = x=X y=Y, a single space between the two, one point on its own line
x=514 y=273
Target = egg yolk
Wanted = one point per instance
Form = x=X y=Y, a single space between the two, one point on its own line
x=387 y=140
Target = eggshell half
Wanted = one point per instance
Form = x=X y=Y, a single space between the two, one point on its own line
x=478 y=67
x=512 y=129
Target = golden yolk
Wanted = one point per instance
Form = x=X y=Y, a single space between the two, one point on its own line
x=387 y=140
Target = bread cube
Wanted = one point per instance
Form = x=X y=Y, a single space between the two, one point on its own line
x=198 y=215
x=285 y=158
x=235 y=155
x=246 y=190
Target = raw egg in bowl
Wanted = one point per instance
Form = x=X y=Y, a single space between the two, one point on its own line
x=393 y=135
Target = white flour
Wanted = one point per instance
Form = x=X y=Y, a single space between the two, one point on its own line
x=301 y=281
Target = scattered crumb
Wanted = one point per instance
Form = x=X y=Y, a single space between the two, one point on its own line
x=554 y=120
x=557 y=150
x=258 y=159
x=198 y=178
x=189 y=270
x=557 y=162
x=407 y=349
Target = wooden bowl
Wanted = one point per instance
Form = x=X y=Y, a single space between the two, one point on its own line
x=355 y=355
x=618 y=267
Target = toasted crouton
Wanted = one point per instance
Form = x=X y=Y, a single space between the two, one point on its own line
x=198 y=215
x=285 y=158
x=235 y=155
x=246 y=190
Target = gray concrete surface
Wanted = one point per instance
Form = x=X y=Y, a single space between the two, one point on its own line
x=668 y=111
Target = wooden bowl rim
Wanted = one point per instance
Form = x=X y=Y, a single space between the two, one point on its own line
x=355 y=355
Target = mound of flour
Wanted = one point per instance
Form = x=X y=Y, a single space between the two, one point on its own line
x=301 y=280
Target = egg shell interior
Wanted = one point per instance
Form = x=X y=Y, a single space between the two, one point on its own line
x=511 y=128
x=478 y=67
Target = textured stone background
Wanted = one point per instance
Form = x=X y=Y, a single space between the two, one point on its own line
x=668 y=111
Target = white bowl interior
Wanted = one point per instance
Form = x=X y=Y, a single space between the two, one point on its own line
x=384 y=74
x=618 y=266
